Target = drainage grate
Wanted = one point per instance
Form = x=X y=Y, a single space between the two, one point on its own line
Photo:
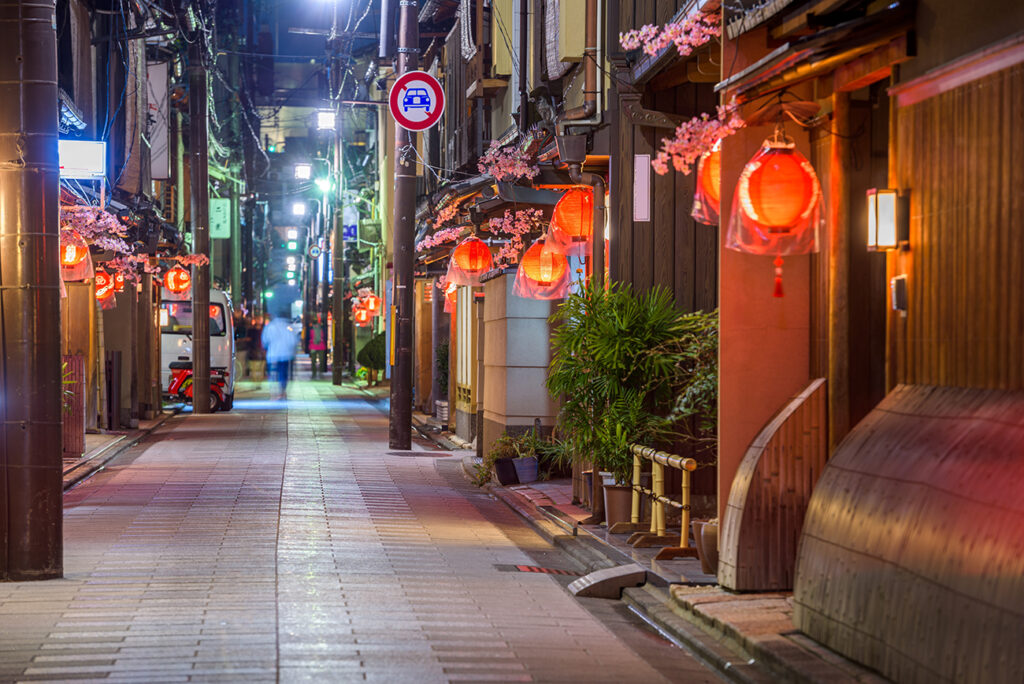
x=419 y=454
x=535 y=569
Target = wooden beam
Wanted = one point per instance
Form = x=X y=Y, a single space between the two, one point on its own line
x=871 y=67
x=839 y=273
x=800 y=22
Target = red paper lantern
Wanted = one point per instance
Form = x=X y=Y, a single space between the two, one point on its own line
x=177 y=280
x=543 y=265
x=104 y=285
x=360 y=315
x=574 y=215
x=118 y=282
x=709 y=173
x=473 y=256
x=74 y=250
x=372 y=304
x=778 y=190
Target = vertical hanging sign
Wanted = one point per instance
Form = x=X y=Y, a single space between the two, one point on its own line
x=220 y=217
x=157 y=121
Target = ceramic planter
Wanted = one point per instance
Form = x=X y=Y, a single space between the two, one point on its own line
x=618 y=503
x=526 y=469
x=505 y=472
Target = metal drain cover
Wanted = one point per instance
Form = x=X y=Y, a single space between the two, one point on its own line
x=419 y=454
x=535 y=569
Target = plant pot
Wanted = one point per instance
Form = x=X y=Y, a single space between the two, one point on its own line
x=697 y=527
x=441 y=409
x=588 y=486
x=526 y=469
x=618 y=503
x=709 y=541
x=505 y=472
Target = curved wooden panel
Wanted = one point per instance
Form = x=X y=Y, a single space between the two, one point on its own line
x=769 y=496
x=912 y=554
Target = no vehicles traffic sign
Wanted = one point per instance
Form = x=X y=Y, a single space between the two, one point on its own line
x=416 y=101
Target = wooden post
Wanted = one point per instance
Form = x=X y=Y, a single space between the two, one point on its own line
x=839 y=273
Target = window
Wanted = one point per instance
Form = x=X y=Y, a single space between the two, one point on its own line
x=176 y=319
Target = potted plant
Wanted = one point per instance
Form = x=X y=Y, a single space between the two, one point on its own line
x=498 y=462
x=442 y=370
x=616 y=388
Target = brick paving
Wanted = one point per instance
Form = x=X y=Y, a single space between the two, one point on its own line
x=282 y=542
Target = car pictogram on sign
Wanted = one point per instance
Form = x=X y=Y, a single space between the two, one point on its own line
x=416 y=98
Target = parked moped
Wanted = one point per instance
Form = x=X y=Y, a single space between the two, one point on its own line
x=181 y=384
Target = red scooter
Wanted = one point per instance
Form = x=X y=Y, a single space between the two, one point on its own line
x=181 y=384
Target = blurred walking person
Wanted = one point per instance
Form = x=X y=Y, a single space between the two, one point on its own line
x=280 y=341
x=317 y=346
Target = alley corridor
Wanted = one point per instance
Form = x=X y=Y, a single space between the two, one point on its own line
x=282 y=542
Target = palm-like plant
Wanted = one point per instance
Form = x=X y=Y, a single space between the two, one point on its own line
x=607 y=368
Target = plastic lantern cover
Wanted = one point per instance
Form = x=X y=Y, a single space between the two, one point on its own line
x=75 y=260
x=372 y=304
x=777 y=206
x=470 y=259
x=543 y=272
x=450 y=297
x=178 y=282
x=572 y=223
x=118 y=282
x=707 y=196
x=104 y=284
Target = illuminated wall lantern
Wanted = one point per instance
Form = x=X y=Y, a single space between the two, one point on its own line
x=74 y=250
x=303 y=171
x=573 y=218
x=177 y=280
x=888 y=224
x=372 y=304
x=360 y=315
x=473 y=256
x=298 y=209
x=104 y=285
x=118 y=282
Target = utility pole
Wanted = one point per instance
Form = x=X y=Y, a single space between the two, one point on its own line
x=400 y=419
x=31 y=534
x=199 y=174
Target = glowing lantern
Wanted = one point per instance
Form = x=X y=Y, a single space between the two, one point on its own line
x=472 y=256
x=104 y=285
x=573 y=218
x=74 y=250
x=707 y=200
x=177 y=280
x=118 y=282
x=777 y=205
x=372 y=304
x=543 y=266
x=450 y=297
x=360 y=315
x=778 y=189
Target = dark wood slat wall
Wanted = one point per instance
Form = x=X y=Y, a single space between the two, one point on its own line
x=959 y=155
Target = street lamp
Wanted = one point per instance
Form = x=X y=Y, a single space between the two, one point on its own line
x=292 y=246
x=290 y=261
x=325 y=120
x=303 y=171
x=298 y=209
x=293 y=234
x=324 y=185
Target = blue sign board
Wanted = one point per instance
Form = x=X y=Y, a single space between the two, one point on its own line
x=349 y=233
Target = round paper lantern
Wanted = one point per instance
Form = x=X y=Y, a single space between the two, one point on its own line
x=543 y=265
x=574 y=215
x=177 y=280
x=360 y=315
x=74 y=250
x=709 y=174
x=104 y=285
x=118 y=282
x=372 y=304
x=778 y=189
x=472 y=256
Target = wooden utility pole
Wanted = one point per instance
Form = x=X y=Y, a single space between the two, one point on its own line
x=199 y=172
x=400 y=419
x=31 y=534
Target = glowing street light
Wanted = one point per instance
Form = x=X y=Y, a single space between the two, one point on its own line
x=292 y=246
x=325 y=120
x=293 y=233
x=291 y=282
x=298 y=209
x=289 y=274
x=303 y=171
x=290 y=261
x=324 y=185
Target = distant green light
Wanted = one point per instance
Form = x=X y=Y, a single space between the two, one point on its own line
x=272 y=148
x=292 y=246
x=289 y=274
x=269 y=294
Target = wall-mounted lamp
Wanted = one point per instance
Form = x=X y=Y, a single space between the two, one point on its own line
x=898 y=292
x=325 y=120
x=303 y=171
x=888 y=220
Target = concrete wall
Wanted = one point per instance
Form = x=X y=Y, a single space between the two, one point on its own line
x=516 y=357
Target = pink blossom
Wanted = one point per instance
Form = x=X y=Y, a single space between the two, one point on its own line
x=515 y=224
x=96 y=226
x=504 y=164
x=695 y=137
x=686 y=35
x=439 y=238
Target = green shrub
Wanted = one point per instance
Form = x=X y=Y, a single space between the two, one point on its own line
x=372 y=355
x=441 y=367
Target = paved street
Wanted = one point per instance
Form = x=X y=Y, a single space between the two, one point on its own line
x=281 y=542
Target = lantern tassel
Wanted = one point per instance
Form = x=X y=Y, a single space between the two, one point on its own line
x=778 y=277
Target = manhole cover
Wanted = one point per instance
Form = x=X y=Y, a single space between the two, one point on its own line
x=535 y=569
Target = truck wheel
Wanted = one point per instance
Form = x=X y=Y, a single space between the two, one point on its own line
x=215 y=402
